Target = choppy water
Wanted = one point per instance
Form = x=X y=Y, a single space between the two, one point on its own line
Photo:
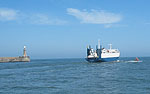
x=75 y=76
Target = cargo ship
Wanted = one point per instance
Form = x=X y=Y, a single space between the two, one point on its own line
x=23 y=58
x=102 y=54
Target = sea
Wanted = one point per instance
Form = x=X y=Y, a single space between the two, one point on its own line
x=75 y=76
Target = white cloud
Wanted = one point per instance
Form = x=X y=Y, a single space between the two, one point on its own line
x=94 y=16
x=42 y=19
x=7 y=14
x=115 y=25
x=33 y=18
x=108 y=25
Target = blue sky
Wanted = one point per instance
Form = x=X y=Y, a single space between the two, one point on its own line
x=63 y=28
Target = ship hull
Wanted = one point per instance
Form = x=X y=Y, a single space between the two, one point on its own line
x=109 y=59
x=102 y=59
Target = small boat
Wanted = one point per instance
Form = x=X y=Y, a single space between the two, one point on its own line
x=136 y=60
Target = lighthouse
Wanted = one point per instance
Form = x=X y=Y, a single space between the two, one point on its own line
x=24 y=52
x=23 y=58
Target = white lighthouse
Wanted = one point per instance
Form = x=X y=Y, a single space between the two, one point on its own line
x=24 y=52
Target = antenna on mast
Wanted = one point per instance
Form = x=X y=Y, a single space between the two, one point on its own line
x=110 y=46
x=98 y=44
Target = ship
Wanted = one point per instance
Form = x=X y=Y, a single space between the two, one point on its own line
x=102 y=54
x=23 y=58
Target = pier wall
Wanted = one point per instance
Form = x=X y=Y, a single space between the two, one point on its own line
x=15 y=59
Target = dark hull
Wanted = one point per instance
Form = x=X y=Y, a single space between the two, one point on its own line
x=102 y=59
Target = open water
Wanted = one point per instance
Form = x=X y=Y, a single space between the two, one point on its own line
x=75 y=76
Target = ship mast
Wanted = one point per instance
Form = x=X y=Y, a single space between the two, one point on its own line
x=98 y=44
x=110 y=46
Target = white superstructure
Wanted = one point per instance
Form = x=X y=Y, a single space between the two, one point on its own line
x=110 y=53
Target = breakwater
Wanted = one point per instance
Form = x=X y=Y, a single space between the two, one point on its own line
x=15 y=59
x=23 y=58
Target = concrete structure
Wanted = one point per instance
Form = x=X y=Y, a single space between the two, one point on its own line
x=23 y=58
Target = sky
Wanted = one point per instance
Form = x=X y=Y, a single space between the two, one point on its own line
x=64 y=28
